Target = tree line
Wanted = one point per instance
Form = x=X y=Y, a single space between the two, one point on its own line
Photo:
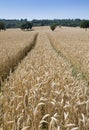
x=25 y=24
x=62 y=22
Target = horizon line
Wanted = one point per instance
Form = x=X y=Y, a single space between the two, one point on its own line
x=43 y=19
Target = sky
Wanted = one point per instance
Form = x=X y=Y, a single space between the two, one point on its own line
x=44 y=9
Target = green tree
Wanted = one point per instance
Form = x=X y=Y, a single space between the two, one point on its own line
x=53 y=26
x=2 y=26
x=27 y=26
x=85 y=24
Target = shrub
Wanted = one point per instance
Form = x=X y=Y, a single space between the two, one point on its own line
x=85 y=24
x=53 y=26
x=2 y=26
x=27 y=25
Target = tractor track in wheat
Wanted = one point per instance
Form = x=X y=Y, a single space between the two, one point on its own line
x=42 y=93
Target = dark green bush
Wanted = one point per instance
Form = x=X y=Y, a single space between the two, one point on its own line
x=53 y=26
x=2 y=26
x=27 y=26
x=85 y=24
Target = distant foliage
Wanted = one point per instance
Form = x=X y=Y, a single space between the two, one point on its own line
x=2 y=26
x=61 y=22
x=27 y=26
x=53 y=26
x=42 y=24
x=85 y=24
x=15 y=23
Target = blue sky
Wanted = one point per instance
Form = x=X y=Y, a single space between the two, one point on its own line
x=44 y=9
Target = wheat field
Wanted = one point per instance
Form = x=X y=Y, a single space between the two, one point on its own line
x=73 y=43
x=42 y=93
x=14 y=44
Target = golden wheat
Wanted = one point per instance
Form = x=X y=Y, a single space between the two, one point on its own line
x=42 y=94
x=14 y=44
x=73 y=43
